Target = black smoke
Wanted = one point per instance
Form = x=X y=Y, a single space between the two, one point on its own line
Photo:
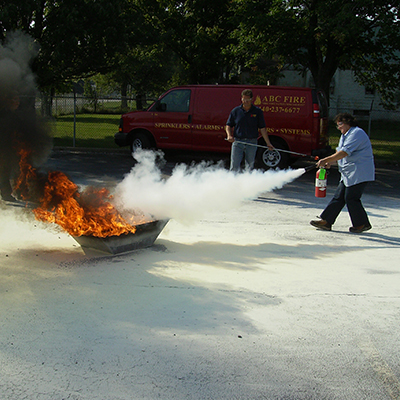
x=21 y=128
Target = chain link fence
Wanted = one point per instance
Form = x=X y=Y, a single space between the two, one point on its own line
x=79 y=121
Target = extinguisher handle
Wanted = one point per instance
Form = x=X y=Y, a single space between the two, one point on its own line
x=326 y=171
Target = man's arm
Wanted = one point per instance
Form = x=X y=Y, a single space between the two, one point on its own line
x=266 y=138
x=229 y=133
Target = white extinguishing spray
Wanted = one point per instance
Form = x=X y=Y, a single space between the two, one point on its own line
x=320 y=183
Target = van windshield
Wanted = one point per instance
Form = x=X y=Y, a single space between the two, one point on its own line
x=177 y=100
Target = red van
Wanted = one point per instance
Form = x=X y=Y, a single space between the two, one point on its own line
x=193 y=118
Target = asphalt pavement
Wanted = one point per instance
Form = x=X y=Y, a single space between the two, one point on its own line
x=246 y=302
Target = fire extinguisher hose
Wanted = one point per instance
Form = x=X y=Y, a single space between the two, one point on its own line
x=281 y=150
x=310 y=167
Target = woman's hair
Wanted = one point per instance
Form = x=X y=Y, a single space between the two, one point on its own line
x=346 y=118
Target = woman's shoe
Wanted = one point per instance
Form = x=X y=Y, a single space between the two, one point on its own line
x=321 y=224
x=359 y=229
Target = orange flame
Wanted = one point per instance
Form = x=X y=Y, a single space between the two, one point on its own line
x=89 y=213
x=26 y=176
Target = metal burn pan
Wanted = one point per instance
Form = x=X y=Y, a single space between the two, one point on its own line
x=145 y=236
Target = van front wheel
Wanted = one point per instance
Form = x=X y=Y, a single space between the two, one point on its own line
x=271 y=159
x=140 y=141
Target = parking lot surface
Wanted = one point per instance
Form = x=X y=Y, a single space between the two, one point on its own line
x=246 y=302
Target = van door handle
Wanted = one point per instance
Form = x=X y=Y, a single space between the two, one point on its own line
x=190 y=118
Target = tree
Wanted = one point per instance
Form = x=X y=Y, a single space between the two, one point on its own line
x=322 y=36
x=77 y=38
x=196 y=31
x=146 y=69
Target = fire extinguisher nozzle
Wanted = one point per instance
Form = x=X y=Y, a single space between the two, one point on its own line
x=310 y=167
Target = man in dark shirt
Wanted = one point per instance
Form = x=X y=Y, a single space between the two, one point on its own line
x=242 y=131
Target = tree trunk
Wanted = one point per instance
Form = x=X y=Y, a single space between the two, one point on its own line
x=47 y=103
x=124 y=98
x=140 y=98
x=323 y=83
x=322 y=71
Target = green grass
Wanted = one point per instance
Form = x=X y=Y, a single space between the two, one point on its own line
x=385 y=139
x=91 y=130
x=97 y=130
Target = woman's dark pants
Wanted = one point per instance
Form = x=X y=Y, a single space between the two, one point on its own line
x=350 y=196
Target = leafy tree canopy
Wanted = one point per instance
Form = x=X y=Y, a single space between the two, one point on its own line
x=322 y=36
x=150 y=42
x=197 y=31
x=77 y=37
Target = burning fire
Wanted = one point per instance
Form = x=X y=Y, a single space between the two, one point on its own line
x=89 y=213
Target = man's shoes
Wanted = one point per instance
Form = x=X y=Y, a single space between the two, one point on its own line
x=359 y=229
x=322 y=224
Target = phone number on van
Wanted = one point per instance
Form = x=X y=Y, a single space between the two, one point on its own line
x=277 y=109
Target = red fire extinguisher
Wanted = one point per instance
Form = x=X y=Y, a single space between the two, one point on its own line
x=320 y=183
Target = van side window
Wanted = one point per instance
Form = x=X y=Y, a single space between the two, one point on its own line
x=177 y=101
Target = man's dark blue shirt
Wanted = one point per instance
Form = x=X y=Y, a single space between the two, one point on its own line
x=246 y=123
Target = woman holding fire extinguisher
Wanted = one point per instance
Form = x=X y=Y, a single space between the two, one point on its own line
x=356 y=166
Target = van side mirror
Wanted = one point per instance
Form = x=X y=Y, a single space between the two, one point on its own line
x=161 y=106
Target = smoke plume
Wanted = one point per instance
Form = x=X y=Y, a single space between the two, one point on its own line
x=20 y=126
x=191 y=191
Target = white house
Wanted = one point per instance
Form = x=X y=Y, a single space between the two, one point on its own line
x=346 y=95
